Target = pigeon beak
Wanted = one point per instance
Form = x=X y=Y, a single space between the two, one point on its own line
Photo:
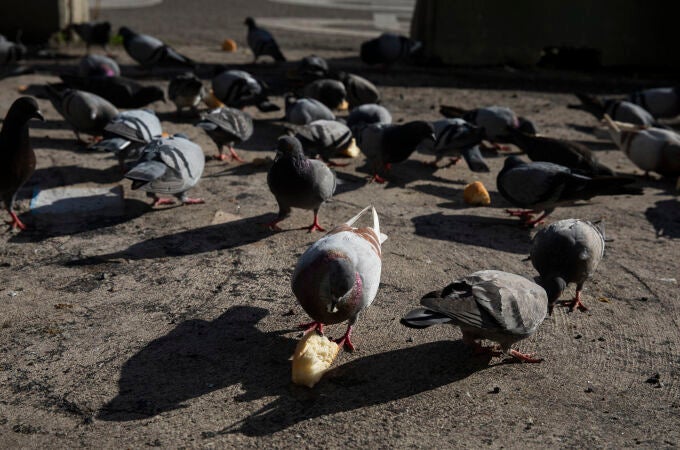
x=551 y=306
x=333 y=307
x=39 y=115
x=433 y=137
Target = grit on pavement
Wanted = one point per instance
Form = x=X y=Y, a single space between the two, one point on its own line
x=173 y=326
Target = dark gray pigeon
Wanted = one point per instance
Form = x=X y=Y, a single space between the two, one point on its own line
x=227 y=126
x=11 y=52
x=490 y=304
x=98 y=66
x=567 y=251
x=170 y=165
x=127 y=133
x=542 y=186
x=239 y=89
x=385 y=145
x=497 y=121
x=359 y=90
x=619 y=110
x=93 y=33
x=85 y=112
x=17 y=158
x=186 y=91
x=301 y=111
x=663 y=102
x=367 y=114
x=261 y=42
x=329 y=92
x=460 y=137
x=388 y=49
x=311 y=68
x=120 y=91
x=150 y=52
x=298 y=182
x=559 y=151
x=325 y=138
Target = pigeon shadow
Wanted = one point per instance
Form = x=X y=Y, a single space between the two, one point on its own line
x=191 y=242
x=364 y=382
x=51 y=177
x=59 y=143
x=198 y=357
x=665 y=217
x=406 y=172
x=499 y=234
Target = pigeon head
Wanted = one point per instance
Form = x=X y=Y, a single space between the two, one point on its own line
x=24 y=109
x=420 y=130
x=289 y=146
x=526 y=126
x=125 y=32
x=554 y=288
x=250 y=22
x=512 y=162
x=339 y=280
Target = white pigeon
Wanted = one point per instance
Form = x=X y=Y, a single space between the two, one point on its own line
x=651 y=149
x=338 y=276
x=489 y=304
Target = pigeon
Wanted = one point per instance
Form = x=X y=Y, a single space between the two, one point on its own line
x=298 y=182
x=489 y=304
x=17 y=159
x=541 y=186
x=186 y=91
x=560 y=151
x=227 y=126
x=150 y=52
x=261 y=42
x=651 y=149
x=11 y=52
x=122 y=92
x=85 y=112
x=661 y=102
x=128 y=132
x=328 y=91
x=385 y=145
x=461 y=137
x=388 y=49
x=567 y=251
x=359 y=90
x=311 y=68
x=302 y=111
x=238 y=89
x=619 y=110
x=325 y=137
x=98 y=66
x=338 y=276
x=367 y=114
x=497 y=121
x=93 y=33
x=170 y=165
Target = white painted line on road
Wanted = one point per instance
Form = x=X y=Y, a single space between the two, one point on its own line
x=404 y=6
x=124 y=4
x=386 y=21
x=339 y=27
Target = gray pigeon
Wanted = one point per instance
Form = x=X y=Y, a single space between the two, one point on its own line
x=567 y=251
x=227 y=126
x=388 y=49
x=85 y=112
x=302 y=111
x=559 y=151
x=261 y=42
x=651 y=149
x=170 y=165
x=150 y=52
x=329 y=92
x=489 y=304
x=385 y=145
x=311 y=68
x=186 y=91
x=238 y=89
x=325 y=137
x=497 y=121
x=298 y=182
x=98 y=66
x=661 y=102
x=11 y=52
x=367 y=114
x=542 y=186
x=17 y=158
x=460 y=137
x=339 y=275
x=359 y=90
x=128 y=132
x=619 y=110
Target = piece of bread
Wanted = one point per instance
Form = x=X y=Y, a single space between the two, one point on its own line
x=351 y=151
x=212 y=101
x=313 y=356
x=229 y=45
x=475 y=194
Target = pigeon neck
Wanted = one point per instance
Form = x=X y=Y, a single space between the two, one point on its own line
x=14 y=133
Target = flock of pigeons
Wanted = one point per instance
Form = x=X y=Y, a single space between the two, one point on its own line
x=339 y=275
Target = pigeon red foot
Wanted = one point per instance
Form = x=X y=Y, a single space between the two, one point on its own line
x=15 y=222
x=312 y=326
x=575 y=303
x=345 y=340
